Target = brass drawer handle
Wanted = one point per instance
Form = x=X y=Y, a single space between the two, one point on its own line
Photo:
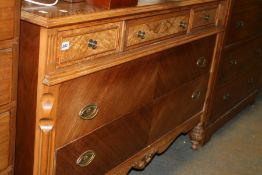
x=86 y=158
x=234 y=61
x=226 y=97
x=183 y=24
x=251 y=81
x=240 y=24
x=92 y=44
x=206 y=17
x=202 y=62
x=89 y=112
x=141 y=34
x=196 y=95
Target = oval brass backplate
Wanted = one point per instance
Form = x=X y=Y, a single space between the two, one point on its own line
x=86 y=158
x=89 y=112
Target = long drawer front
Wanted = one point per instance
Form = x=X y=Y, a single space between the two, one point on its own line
x=239 y=59
x=4 y=140
x=244 y=23
x=178 y=106
x=233 y=92
x=5 y=75
x=105 y=148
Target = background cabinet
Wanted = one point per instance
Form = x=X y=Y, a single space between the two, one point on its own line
x=9 y=20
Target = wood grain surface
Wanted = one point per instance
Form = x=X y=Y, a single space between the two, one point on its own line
x=7 y=19
x=156 y=27
x=5 y=138
x=5 y=75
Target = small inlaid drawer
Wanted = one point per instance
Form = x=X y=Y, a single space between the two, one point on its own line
x=84 y=44
x=106 y=147
x=4 y=140
x=7 y=19
x=154 y=28
x=95 y=100
x=204 y=16
x=5 y=75
x=169 y=111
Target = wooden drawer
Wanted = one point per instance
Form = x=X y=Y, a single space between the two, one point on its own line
x=4 y=140
x=239 y=59
x=204 y=16
x=148 y=29
x=110 y=145
x=178 y=106
x=7 y=9
x=244 y=23
x=116 y=92
x=184 y=63
x=5 y=75
x=83 y=44
x=232 y=93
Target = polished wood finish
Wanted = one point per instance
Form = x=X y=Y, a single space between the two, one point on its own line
x=5 y=76
x=5 y=137
x=7 y=19
x=9 y=36
x=169 y=110
x=107 y=111
x=112 y=144
x=117 y=91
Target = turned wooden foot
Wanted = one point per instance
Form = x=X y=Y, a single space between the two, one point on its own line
x=197 y=136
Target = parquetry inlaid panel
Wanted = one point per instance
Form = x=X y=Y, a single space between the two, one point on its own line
x=87 y=43
x=5 y=75
x=147 y=29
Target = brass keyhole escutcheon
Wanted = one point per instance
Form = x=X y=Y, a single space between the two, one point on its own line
x=202 y=62
x=89 y=112
x=86 y=158
x=206 y=17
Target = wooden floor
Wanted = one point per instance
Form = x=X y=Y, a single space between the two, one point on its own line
x=236 y=149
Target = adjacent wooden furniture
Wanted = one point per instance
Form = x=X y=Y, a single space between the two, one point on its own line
x=239 y=70
x=103 y=91
x=9 y=20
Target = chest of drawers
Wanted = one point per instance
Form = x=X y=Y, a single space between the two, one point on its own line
x=9 y=20
x=105 y=91
x=239 y=72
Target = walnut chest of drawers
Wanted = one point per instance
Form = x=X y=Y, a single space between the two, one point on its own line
x=103 y=91
x=9 y=20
